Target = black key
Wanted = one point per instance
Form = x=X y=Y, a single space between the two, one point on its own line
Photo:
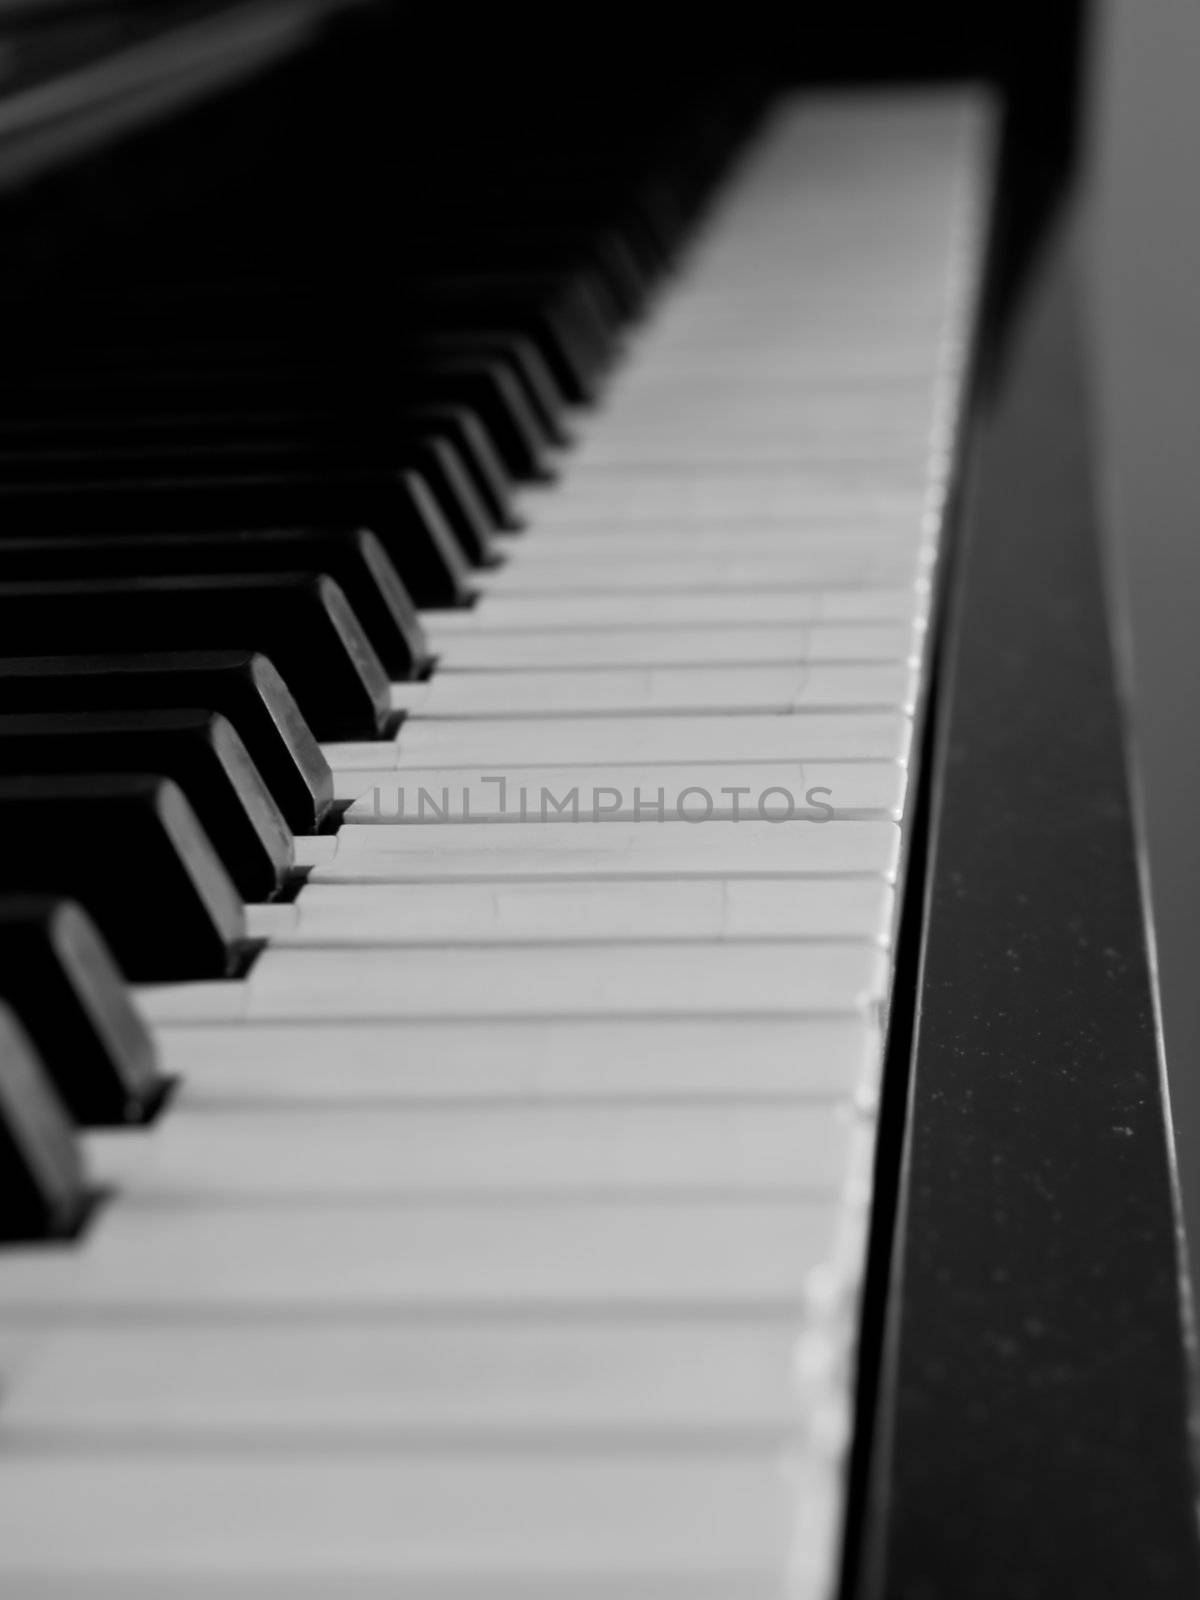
x=559 y=316
x=131 y=850
x=58 y=976
x=488 y=474
x=198 y=749
x=243 y=686
x=575 y=307
x=126 y=494
x=487 y=387
x=526 y=365
x=43 y=1184
x=562 y=317
x=302 y=623
x=492 y=389
x=354 y=559
x=472 y=235
x=372 y=345
x=434 y=447
x=447 y=475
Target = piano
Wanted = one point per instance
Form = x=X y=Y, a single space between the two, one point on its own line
x=576 y=1016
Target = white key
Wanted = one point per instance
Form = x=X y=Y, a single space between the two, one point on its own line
x=630 y=447
x=381 y=1257
x=776 y=979
x=506 y=650
x=786 y=542
x=707 y=494
x=826 y=525
x=403 y=1062
x=662 y=402
x=367 y=1153
x=213 y=1001
x=300 y=981
x=502 y=913
x=820 y=791
x=647 y=850
x=314 y=847
x=758 y=608
x=816 y=570
x=493 y=745
x=715 y=1525
x=359 y=755
x=463 y=1379
x=275 y=921
x=659 y=691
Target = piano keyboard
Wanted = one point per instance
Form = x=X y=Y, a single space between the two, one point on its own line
x=505 y=1230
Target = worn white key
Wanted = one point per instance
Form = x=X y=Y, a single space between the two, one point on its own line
x=395 y=1380
x=819 y=791
x=507 y=650
x=404 y=1062
x=483 y=850
x=499 y=746
x=775 y=979
x=374 y=1258
x=659 y=691
x=501 y=913
x=367 y=1153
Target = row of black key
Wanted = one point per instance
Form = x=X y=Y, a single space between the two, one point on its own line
x=269 y=390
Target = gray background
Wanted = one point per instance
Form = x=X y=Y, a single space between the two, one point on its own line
x=1144 y=266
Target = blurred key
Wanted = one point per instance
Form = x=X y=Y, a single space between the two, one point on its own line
x=59 y=978
x=440 y=446
x=43 y=1186
x=177 y=377
x=131 y=850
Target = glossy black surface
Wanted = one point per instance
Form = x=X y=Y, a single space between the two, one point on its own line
x=43 y=1187
x=1032 y=1438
